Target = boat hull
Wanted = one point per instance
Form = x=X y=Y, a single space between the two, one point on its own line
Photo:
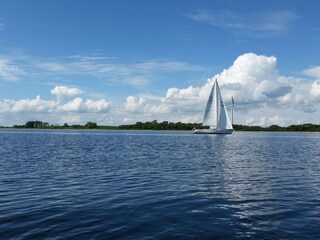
x=213 y=131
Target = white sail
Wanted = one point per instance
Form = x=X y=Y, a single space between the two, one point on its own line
x=210 y=116
x=224 y=120
x=216 y=116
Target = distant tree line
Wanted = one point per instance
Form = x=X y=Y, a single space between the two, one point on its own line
x=166 y=125
x=45 y=125
x=308 y=127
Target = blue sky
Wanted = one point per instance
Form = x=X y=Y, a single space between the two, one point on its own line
x=117 y=62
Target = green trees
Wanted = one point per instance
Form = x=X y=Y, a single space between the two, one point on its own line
x=166 y=125
x=45 y=125
x=36 y=124
x=91 y=125
x=308 y=127
x=304 y=127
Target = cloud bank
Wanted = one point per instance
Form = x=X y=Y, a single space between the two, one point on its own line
x=39 y=105
x=64 y=107
x=262 y=97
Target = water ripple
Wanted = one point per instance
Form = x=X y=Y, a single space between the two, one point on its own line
x=158 y=185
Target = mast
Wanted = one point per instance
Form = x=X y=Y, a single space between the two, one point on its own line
x=232 y=116
x=232 y=107
x=217 y=104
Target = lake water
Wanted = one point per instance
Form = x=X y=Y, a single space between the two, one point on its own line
x=158 y=185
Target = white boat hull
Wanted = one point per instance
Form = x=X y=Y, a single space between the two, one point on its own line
x=213 y=131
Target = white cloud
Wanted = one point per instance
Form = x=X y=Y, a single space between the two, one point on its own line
x=261 y=95
x=304 y=104
x=265 y=121
x=9 y=71
x=251 y=80
x=75 y=105
x=161 y=65
x=187 y=99
x=277 y=22
x=315 y=90
x=64 y=92
x=1 y=25
x=313 y=72
x=134 y=104
x=137 y=81
x=54 y=67
x=89 y=106
x=70 y=118
x=99 y=106
x=285 y=100
x=134 y=74
x=26 y=105
x=49 y=106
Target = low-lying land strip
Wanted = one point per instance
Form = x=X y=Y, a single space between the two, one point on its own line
x=166 y=125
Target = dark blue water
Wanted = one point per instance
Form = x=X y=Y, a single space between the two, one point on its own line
x=159 y=185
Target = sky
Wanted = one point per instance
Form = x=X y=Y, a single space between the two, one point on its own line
x=119 y=62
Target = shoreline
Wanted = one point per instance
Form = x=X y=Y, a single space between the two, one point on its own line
x=158 y=130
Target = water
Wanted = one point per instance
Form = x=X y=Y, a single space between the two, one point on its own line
x=158 y=185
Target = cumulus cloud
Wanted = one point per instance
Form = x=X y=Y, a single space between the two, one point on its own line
x=187 y=99
x=26 y=105
x=265 y=121
x=262 y=97
x=75 y=105
x=256 y=86
x=285 y=100
x=64 y=92
x=90 y=106
x=315 y=90
x=98 y=106
x=255 y=80
x=304 y=104
x=55 y=109
x=135 y=104
x=252 y=80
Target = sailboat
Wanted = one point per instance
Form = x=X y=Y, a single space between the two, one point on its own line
x=216 y=115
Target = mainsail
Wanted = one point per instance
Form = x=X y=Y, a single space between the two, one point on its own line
x=216 y=116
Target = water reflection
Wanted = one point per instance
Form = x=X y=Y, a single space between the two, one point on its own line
x=258 y=180
x=159 y=185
